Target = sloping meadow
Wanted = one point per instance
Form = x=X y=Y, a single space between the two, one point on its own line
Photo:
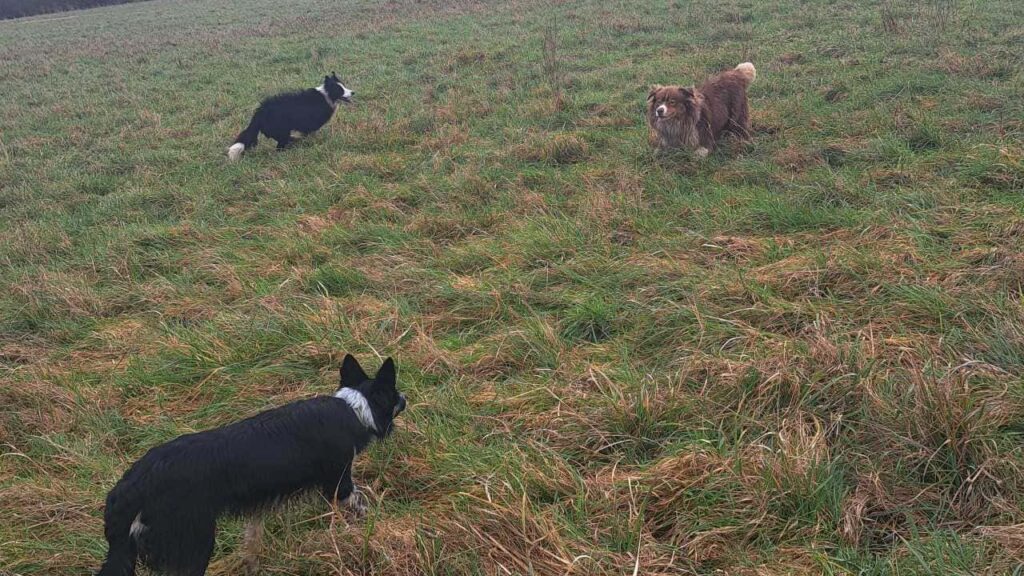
x=801 y=356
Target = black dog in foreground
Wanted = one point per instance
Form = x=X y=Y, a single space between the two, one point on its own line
x=165 y=508
x=305 y=111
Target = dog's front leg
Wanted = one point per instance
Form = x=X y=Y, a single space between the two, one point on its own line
x=356 y=502
x=345 y=491
x=705 y=138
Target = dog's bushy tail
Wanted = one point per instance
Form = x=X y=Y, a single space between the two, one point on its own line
x=118 y=517
x=748 y=71
x=247 y=138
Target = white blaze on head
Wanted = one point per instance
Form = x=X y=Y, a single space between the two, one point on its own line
x=661 y=110
x=345 y=92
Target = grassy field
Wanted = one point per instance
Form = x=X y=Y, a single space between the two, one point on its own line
x=802 y=356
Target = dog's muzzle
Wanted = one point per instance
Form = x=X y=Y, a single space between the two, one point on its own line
x=660 y=111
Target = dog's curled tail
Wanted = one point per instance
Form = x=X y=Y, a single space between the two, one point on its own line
x=748 y=71
x=247 y=138
x=120 y=529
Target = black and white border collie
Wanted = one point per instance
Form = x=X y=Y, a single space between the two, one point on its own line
x=305 y=111
x=165 y=508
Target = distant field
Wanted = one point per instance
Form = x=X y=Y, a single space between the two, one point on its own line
x=804 y=356
x=23 y=8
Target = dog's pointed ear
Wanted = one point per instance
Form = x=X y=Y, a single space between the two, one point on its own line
x=352 y=373
x=327 y=79
x=386 y=374
x=334 y=74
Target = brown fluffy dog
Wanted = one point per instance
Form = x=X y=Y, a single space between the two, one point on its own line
x=694 y=118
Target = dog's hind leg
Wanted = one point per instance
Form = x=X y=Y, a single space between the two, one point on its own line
x=202 y=551
x=740 y=123
x=252 y=545
x=283 y=141
x=181 y=546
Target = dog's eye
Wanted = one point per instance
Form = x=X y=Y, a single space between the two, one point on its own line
x=672 y=102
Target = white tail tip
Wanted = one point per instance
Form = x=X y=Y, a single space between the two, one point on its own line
x=748 y=70
x=235 y=152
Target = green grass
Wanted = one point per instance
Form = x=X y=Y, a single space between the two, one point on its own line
x=801 y=356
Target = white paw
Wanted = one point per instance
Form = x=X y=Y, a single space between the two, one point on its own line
x=702 y=152
x=357 y=503
x=235 y=151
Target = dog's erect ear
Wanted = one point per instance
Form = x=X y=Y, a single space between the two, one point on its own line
x=327 y=79
x=386 y=374
x=352 y=373
x=334 y=75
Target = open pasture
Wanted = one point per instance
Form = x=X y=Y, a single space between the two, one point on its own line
x=804 y=356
